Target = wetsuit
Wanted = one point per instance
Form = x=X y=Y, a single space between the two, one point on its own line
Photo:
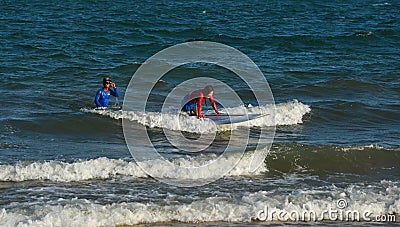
x=196 y=98
x=102 y=96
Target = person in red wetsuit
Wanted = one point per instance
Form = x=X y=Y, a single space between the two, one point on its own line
x=193 y=101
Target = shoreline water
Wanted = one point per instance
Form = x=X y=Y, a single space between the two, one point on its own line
x=332 y=67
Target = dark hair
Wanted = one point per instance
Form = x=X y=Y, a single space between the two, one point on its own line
x=208 y=89
x=105 y=80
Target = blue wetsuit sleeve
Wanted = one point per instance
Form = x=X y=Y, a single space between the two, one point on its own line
x=97 y=98
x=114 y=92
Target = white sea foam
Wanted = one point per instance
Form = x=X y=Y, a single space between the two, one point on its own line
x=382 y=4
x=105 y=168
x=289 y=113
x=285 y=114
x=100 y=168
x=82 y=212
x=365 y=147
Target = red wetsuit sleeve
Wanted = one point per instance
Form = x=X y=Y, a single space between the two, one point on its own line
x=200 y=100
x=213 y=105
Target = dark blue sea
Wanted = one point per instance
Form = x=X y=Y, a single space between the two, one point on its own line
x=333 y=68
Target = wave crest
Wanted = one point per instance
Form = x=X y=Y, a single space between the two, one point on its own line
x=288 y=113
x=106 y=168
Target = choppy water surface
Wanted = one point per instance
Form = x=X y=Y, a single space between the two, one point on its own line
x=333 y=69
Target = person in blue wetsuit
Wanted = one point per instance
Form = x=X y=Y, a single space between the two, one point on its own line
x=192 y=102
x=103 y=94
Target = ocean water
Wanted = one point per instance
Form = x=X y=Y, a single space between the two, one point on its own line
x=333 y=68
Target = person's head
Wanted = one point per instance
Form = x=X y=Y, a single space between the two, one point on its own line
x=106 y=82
x=208 y=91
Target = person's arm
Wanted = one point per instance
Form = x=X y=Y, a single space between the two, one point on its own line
x=114 y=92
x=213 y=105
x=97 y=98
x=199 y=104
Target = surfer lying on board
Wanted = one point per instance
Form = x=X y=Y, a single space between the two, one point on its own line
x=103 y=94
x=192 y=102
